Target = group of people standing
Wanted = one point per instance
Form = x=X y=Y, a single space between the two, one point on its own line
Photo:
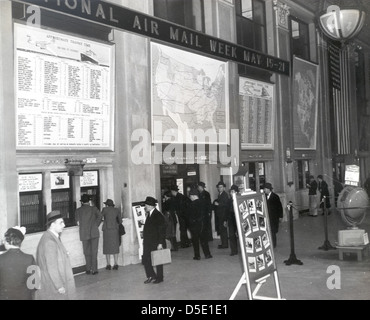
x=193 y=212
x=50 y=276
x=314 y=188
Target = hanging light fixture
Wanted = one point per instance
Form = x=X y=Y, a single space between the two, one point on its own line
x=341 y=22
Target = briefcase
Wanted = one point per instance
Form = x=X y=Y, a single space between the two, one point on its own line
x=160 y=257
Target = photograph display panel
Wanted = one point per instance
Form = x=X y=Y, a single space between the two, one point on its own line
x=255 y=235
x=64 y=91
x=138 y=212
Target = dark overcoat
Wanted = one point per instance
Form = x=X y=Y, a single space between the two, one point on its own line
x=275 y=210
x=13 y=275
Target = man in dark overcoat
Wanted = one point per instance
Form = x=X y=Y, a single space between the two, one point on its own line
x=197 y=214
x=324 y=193
x=221 y=207
x=275 y=210
x=89 y=218
x=180 y=203
x=206 y=198
x=154 y=239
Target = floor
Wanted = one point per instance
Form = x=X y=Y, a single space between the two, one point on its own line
x=216 y=279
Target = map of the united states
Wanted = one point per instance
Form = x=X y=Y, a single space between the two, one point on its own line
x=188 y=92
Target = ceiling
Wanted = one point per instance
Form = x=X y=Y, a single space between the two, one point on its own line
x=318 y=6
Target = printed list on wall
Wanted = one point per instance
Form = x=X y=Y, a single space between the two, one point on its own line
x=256 y=114
x=63 y=91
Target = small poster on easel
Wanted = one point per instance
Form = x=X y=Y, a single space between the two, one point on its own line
x=138 y=212
x=256 y=244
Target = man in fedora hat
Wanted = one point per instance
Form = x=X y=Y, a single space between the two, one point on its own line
x=154 y=239
x=89 y=218
x=206 y=198
x=275 y=210
x=221 y=206
x=231 y=222
x=180 y=203
x=197 y=214
x=57 y=281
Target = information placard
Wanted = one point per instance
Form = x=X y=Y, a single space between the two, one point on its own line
x=255 y=239
x=30 y=182
x=59 y=180
x=64 y=91
x=257 y=109
x=352 y=176
x=89 y=179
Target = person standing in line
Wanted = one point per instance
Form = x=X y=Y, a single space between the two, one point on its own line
x=180 y=204
x=171 y=220
x=88 y=219
x=312 y=196
x=57 y=281
x=14 y=267
x=231 y=223
x=111 y=243
x=275 y=210
x=206 y=198
x=154 y=239
x=324 y=192
x=196 y=211
x=338 y=188
x=221 y=206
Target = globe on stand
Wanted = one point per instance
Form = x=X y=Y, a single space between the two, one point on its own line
x=353 y=203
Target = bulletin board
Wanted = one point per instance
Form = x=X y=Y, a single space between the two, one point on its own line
x=255 y=240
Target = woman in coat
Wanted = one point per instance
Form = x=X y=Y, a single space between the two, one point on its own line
x=111 y=243
x=16 y=268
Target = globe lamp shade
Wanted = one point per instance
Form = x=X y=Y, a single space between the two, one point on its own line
x=342 y=25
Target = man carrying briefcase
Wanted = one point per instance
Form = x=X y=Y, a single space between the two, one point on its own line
x=154 y=239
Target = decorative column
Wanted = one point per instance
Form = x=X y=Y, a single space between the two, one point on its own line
x=284 y=130
x=8 y=169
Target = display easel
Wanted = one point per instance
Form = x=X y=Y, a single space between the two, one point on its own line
x=254 y=232
x=138 y=212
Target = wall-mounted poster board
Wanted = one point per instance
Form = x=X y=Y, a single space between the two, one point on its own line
x=257 y=114
x=64 y=93
x=256 y=244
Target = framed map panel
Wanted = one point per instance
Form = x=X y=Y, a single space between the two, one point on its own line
x=305 y=103
x=190 y=97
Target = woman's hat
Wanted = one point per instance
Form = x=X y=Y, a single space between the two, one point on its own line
x=174 y=188
x=151 y=201
x=194 y=192
x=19 y=232
x=235 y=188
x=53 y=216
x=109 y=203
